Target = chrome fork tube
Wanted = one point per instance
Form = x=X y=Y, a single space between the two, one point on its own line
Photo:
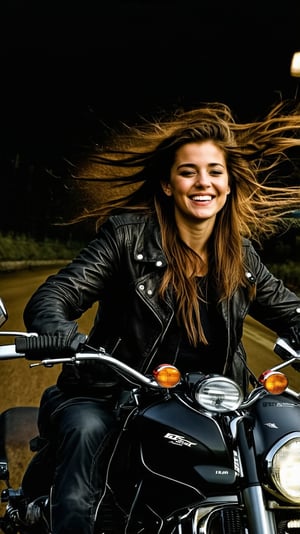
x=260 y=520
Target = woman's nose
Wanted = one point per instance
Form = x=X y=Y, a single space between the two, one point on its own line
x=202 y=178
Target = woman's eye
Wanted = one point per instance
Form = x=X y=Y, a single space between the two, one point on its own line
x=216 y=173
x=188 y=174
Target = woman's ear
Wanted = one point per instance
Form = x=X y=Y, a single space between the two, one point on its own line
x=166 y=188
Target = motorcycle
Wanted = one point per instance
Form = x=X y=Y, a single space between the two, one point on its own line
x=194 y=455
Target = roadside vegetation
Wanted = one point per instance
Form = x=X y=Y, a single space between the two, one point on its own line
x=18 y=247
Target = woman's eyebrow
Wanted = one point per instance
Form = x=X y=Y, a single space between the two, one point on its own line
x=194 y=165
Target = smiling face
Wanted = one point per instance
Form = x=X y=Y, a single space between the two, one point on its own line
x=198 y=183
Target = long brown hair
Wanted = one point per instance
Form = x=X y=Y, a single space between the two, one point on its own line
x=262 y=190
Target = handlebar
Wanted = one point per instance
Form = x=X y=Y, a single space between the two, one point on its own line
x=54 y=349
x=8 y=352
x=32 y=348
x=102 y=356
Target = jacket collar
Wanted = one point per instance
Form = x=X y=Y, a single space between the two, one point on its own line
x=148 y=245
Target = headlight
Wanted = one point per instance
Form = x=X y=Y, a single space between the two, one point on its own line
x=283 y=463
x=218 y=394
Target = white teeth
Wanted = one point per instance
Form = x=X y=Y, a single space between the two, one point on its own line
x=202 y=197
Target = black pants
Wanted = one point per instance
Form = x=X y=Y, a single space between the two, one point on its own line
x=82 y=430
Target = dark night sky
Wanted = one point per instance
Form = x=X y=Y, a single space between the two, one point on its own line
x=67 y=64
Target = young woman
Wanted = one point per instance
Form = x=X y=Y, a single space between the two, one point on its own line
x=174 y=272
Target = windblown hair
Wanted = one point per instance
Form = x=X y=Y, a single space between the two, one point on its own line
x=259 y=157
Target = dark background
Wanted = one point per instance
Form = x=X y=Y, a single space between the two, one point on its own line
x=69 y=69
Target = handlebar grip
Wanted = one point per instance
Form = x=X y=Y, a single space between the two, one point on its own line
x=43 y=346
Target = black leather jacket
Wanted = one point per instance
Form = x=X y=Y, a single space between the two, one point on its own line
x=122 y=269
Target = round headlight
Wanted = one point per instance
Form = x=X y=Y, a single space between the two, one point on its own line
x=284 y=467
x=218 y=394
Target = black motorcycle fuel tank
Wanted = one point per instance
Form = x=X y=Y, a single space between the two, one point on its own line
x=274 y=417
x=177 y=441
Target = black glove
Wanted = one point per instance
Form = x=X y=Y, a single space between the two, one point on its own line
x=76 y=342
x=294 y=337
x=46 y=346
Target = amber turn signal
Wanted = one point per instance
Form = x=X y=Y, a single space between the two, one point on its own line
x=167 y=376
x=274 y=382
